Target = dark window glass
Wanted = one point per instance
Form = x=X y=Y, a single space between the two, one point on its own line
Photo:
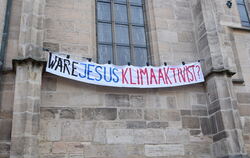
x=243 y=13
x=141 y=56
x=104 y=54
x=104 y=33
x=103 y=11
x=121 y=15
x=121 y=1
x=136 y=15
x=121 y=32
x=123 y=55
x=139 y=36
x=136 y=2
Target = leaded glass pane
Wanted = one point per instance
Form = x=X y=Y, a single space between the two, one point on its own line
x=121 y=15
x=103 y=11
x=104 y=54
x=121 y=34
x=247 y=24
x=136 y=15
x=104 y=33
x=139 y=36
x=136 y=2
x=240 y=2
x=141 y=56
x=121 y=1
x=243 y=13
x=123 y=55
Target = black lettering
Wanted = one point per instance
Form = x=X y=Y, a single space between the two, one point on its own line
x=74 y=68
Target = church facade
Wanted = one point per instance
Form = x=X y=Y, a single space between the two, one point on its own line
x=47 y=116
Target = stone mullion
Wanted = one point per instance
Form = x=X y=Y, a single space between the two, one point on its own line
x=25 y=125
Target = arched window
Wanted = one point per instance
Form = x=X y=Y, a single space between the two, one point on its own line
x=121 y=32
x=243 y=13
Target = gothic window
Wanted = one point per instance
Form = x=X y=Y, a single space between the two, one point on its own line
x=121 y=32
x=243 y=13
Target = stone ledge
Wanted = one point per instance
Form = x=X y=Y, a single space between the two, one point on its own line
x=219 y=71
x=39 y=61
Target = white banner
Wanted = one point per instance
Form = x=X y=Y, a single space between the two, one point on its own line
x=125 y=76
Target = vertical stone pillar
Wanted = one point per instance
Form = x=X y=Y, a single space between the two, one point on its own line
x=25 y=124
x=224 y=120
x=224 y=117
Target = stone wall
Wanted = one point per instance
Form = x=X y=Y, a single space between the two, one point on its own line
x=243 y=90
x=79 y=120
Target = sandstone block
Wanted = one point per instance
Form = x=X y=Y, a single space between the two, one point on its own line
x=99 y=113
x=54 y=131
x=164 y=150
x=149 y=136
x=117 y=100
x=130 y=114
x=157 y=124
x=151 y=114
x=178 y=136
x=75 y=147
x=120 y=136
x=137 y=100
x=59 y=147
x=190 y=122
x=5 y=132
x=136 y=124
x=168 y=115
x=72 y=131
x=243 y=98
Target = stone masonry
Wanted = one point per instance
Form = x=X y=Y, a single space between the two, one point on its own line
x=46 y=116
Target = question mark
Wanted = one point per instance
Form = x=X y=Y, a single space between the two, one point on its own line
x=198 y=70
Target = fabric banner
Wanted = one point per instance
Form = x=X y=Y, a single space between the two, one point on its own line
x=125 y=76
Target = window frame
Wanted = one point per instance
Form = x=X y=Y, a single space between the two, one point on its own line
x=246 y=9
x=130 y=26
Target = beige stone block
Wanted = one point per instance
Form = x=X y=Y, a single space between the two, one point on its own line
x=171 y=36
x=59 y=147
x=164 y=150
x=75 y=147
x=45 y=147
x=177 y=136
x=54 y=131
x=72 y=131
x=120 y=136
x=149 y=136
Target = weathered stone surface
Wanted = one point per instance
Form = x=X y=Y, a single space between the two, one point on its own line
x=130 y=114
x=164 y=150
x=137 y=100
x=205 y=126
x=5 y=132
x=177 y=136
x=117 y=100
x=136 y=124
x=243 y=98
x=149 y=136
x=48 y=113
x=170 y=115
x=69 y=133
x=53 y=47
x=75 y=147
x=151 y=114
x=59 y=148
x=54 y=131
x=190 y=122
x=157 y=125
x=120 y=136
x=99 y=113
